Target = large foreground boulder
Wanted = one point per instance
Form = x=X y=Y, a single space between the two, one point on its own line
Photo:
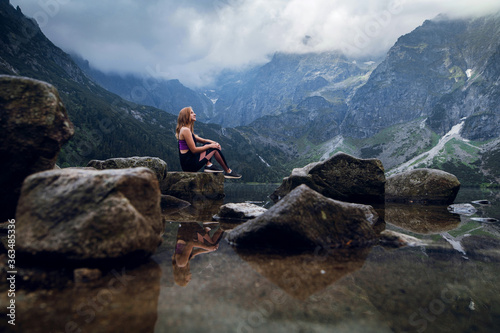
x=156 y=164
x=305 y=219
x=194 y=186
x=33 y=127
x=428 y=186
x=341 y=177
x=77 y=214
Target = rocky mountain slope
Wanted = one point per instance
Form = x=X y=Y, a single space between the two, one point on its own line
x=444 y=70
x=437 y=80
x=442 y=78
x=286 y=84
x=106 y=125
x=167 y=95
x=102 y=120
x=432 y=102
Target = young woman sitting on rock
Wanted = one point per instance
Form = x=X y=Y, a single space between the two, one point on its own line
x=192 y=157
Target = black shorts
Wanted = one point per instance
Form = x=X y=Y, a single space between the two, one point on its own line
x=190 y=162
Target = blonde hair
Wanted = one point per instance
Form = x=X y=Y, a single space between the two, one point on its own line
x=184 y=120
x=182 y=275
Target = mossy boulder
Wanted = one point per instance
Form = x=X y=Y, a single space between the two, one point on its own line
x=341 y=177
x=428 y=186
x=194 y=186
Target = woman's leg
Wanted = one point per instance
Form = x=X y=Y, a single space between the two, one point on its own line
x=221 y=160
x=218 y=157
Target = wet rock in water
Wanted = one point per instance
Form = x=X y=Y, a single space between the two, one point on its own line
x=194 y=186
x=393 y=239
x=77 y=215
x=305 y=219
x=34 y=125
x=124 y=299
x=485 y=219
x=341 y=177
x=157 y=165
x=429 y=186
x=462 y=209
x=168 y=201
x=481 y=202
x=239 y=211
x=421 y=219
x=171 y=205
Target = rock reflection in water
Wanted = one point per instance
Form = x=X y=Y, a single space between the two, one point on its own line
x=193 y=239
x=123 y=300
x=303 y=275
x=199 y=210
x=422 y=219
x=436 y=289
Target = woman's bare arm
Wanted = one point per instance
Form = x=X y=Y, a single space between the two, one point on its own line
x=202 y=140
x=185 y=134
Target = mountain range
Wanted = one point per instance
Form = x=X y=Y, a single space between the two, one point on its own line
x=106 y=125
x=433 y=101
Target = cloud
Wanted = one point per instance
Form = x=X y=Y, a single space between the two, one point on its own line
x=193 y=40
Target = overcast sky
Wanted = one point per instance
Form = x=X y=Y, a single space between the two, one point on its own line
x=192 y=40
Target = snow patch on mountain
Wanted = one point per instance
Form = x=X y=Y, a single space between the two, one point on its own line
x=429 y=155
x=331 y=146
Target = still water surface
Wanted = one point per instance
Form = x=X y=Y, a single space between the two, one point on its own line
x=450 y=284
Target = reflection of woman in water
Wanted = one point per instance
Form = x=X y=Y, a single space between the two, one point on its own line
x=192 y=239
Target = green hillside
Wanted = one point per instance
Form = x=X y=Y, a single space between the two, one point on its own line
x=106 y=125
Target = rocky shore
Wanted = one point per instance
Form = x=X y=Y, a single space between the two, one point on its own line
x=116 y=209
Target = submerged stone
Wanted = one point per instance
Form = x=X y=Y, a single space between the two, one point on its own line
x=393 y=239
x=305 y=219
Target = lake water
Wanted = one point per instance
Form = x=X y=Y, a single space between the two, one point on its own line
x=450 y=284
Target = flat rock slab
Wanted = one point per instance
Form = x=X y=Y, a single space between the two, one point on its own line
x=85 y=215
x=157 y=165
